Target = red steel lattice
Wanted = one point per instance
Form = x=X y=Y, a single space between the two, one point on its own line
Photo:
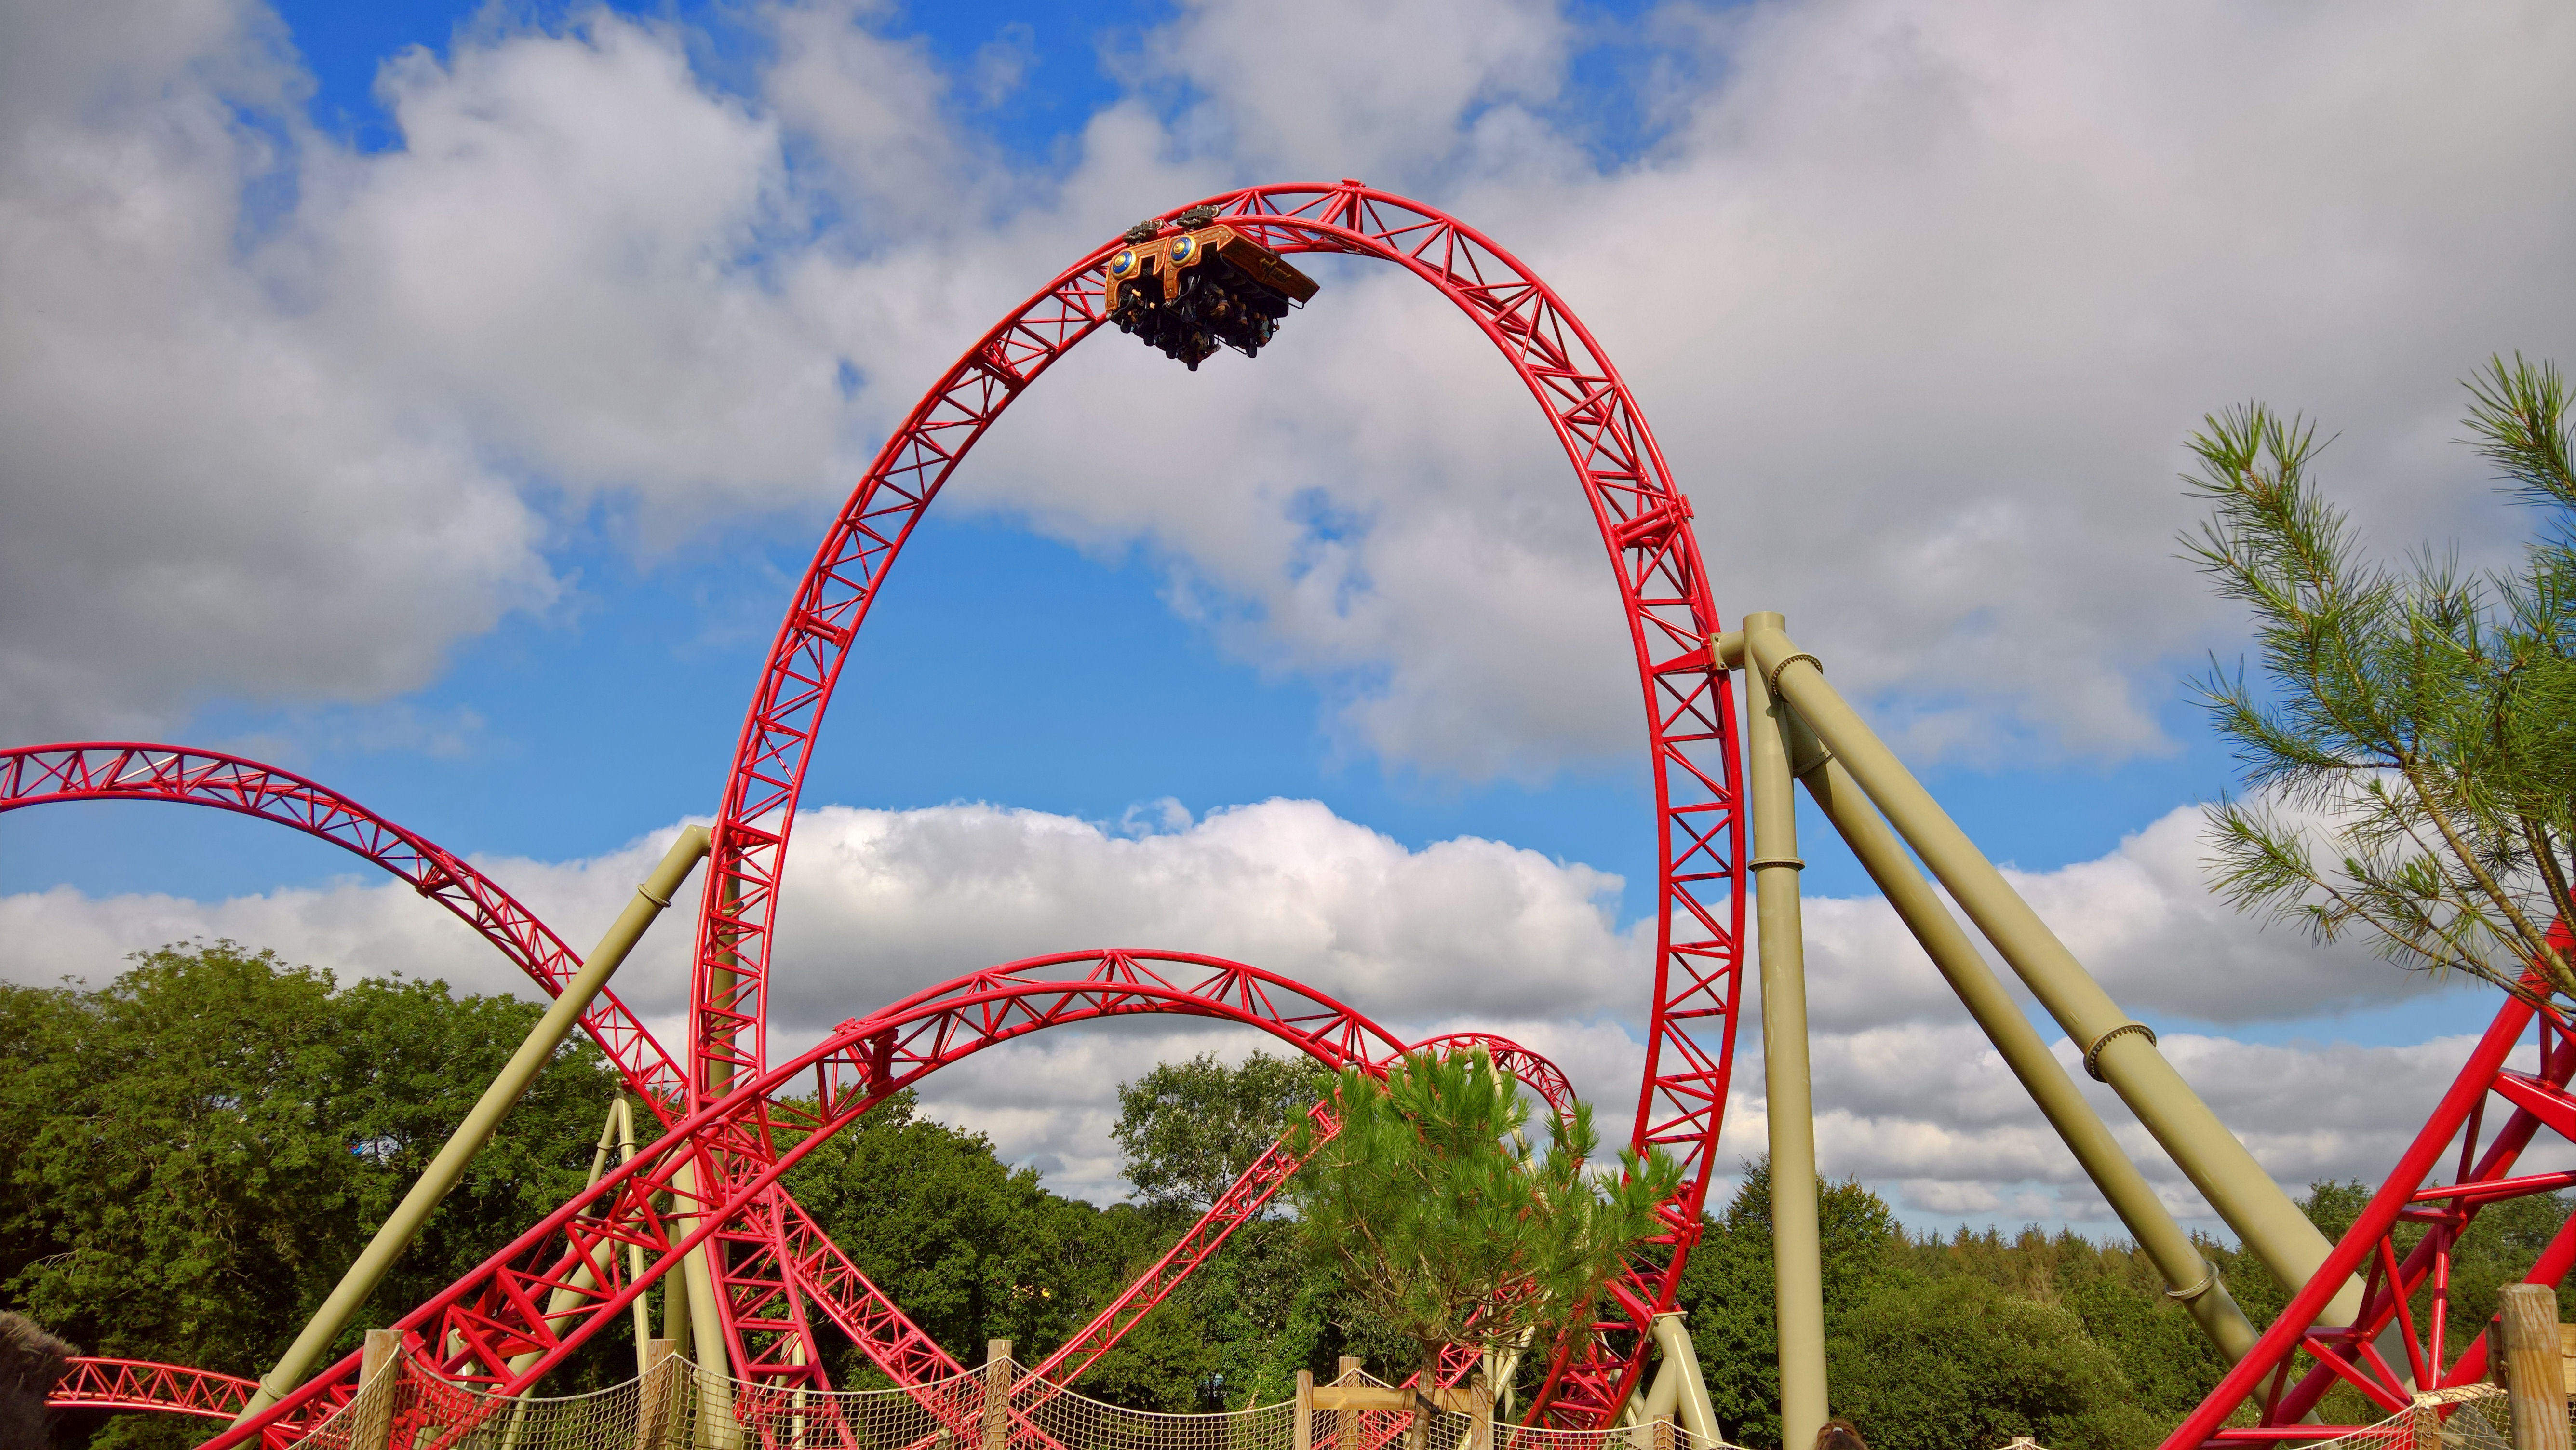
x=740 y=1145
x=769 y=1256
x=2298 y=1359
x=1644 y=522
x=91 y=1383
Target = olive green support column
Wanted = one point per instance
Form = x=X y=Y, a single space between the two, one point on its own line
x=1698 y=1414
x=706 y=1328
x=643 y=1316
x=675 y=1308
x=2188 y=1277
x=2116 y=1050
x=1797 y=1278
x=470 y=1136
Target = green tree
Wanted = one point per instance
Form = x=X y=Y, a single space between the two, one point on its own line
x=192 y=1154
x=1934 y=1365
x=1188 y=1130
x=1261 y=1310
x=1726 y=1293
x=1448 y=1226
x=2422 y=719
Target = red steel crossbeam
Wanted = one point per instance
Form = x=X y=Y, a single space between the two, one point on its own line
x=1643 y=518
x=95 y=1383
x=2352 y=1354
x=742 y=1144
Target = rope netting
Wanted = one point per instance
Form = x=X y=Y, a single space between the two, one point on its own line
x=2463 y=1417
x=681 y=1407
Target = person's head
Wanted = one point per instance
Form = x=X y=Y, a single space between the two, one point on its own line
x=1839 y=1435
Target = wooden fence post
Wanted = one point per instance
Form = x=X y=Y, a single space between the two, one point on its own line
x=2536 y=1378
x=1305 y=1409
x=379 y=1371
x=1350 y=1369
x=655 y=1392
x=997 y=1394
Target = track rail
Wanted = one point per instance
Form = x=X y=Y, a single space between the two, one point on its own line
x=181 y=775
x=2298 y=1360
x=573 y=1263
x=1644 y=521
x=94 y=1383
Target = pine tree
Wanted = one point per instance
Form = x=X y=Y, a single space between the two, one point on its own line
x=1450 y=1228
x=2409 y=750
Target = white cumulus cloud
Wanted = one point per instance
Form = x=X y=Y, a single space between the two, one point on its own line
x=1458 y=935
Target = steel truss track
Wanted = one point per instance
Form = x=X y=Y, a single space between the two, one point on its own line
x=737 y=1148
x=2406 y=1295
x=91 y=1383
x=1644 y=520
x=817 y=1274
x=176 y=774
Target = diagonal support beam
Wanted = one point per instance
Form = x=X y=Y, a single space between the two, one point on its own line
x=2189 y=1277
x=404 y=1224
x=2117 y=1050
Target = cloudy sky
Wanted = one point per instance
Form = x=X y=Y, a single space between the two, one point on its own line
x=442 y=400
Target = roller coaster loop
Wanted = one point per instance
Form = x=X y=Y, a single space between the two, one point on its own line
x=1644 y=521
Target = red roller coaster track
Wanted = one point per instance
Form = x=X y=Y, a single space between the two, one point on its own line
x=1643 y=518
x=136 y=1384
x=742 y=1143
x=819 y=1274
x=135 y=771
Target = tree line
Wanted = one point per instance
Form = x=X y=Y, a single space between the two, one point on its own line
x=197 y=1149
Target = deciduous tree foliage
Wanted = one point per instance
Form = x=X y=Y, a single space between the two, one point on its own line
x=191 y=1155
x=1189 y=1129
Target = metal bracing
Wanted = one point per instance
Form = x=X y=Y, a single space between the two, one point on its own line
x=2189 y=1278
x=2116 y=1049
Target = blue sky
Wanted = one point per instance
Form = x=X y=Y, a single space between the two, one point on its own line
x=444 y=402
x=504 y=752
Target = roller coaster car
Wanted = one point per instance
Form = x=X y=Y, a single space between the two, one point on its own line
x=1186 y=293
